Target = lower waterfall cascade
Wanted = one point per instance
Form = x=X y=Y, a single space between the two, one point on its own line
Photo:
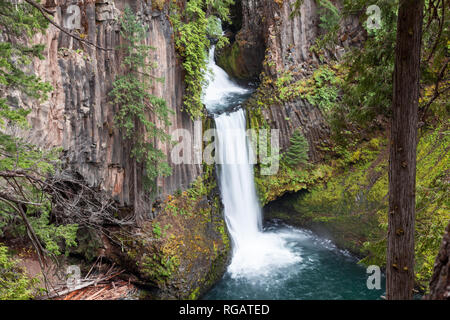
x=270 y=262
x=253 y=250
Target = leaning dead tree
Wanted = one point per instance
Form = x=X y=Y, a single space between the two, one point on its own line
x=25 y=192
x=72 y=200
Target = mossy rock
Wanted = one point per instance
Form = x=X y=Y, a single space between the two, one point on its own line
x=238 y=62
x=181 y=253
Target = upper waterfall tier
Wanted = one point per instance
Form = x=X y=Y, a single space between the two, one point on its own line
x=222 y=92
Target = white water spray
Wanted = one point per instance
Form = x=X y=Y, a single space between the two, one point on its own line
x=254 y=253
x=221 y=88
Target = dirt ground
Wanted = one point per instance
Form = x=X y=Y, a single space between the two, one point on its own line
x=102 y=282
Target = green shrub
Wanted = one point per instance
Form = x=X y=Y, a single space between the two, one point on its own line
x=14 y=284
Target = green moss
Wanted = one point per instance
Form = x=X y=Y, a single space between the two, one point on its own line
x=350 y=202
x=289 y=179
x=157 y=230
x=321 y=89
x=89 y=243
x=345 y=205
x=195 y=294
x=158 y=267
x=184 y=250
x=230 y=59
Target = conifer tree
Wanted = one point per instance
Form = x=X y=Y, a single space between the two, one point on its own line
x=132 y=93
x=403 y=147
x=298 y=151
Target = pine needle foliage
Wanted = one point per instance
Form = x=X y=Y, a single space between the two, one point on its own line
x=132 y=93
x=298 y=151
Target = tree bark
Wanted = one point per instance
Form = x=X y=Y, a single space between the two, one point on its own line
x=137 y=209
x=440 y=282
x=402 y=164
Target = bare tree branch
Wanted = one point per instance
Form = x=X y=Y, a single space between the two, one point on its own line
x=45 y=13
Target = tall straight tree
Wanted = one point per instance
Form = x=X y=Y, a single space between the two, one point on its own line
x=402 y=165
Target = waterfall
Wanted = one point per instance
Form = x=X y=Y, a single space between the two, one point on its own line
x=254 y=252
x=242 y=212
x=221 y=91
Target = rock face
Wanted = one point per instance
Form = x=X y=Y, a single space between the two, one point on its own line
x=178 y=254
x=182 y=252
x=440 y=282
x=79 y=116
x=244 y=57
x=272 y=33
x=289 y=40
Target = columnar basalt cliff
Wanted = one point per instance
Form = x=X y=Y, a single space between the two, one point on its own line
x=288 y=43
x=79 y=115
x=272 y=32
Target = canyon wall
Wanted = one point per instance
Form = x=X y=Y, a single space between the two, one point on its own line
x=272 y=32
x=79 y=117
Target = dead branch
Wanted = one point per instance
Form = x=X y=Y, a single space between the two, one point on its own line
x=45 y=13
x=436 y=93
x=67 y=291
x=8 y=197
x=72 y=202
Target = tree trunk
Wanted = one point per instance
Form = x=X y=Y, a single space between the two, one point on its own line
x=137 y=211
x=402 y=165
x=440 y=282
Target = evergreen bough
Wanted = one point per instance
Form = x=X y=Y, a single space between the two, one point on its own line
x=298 y=151
x=132 y=93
